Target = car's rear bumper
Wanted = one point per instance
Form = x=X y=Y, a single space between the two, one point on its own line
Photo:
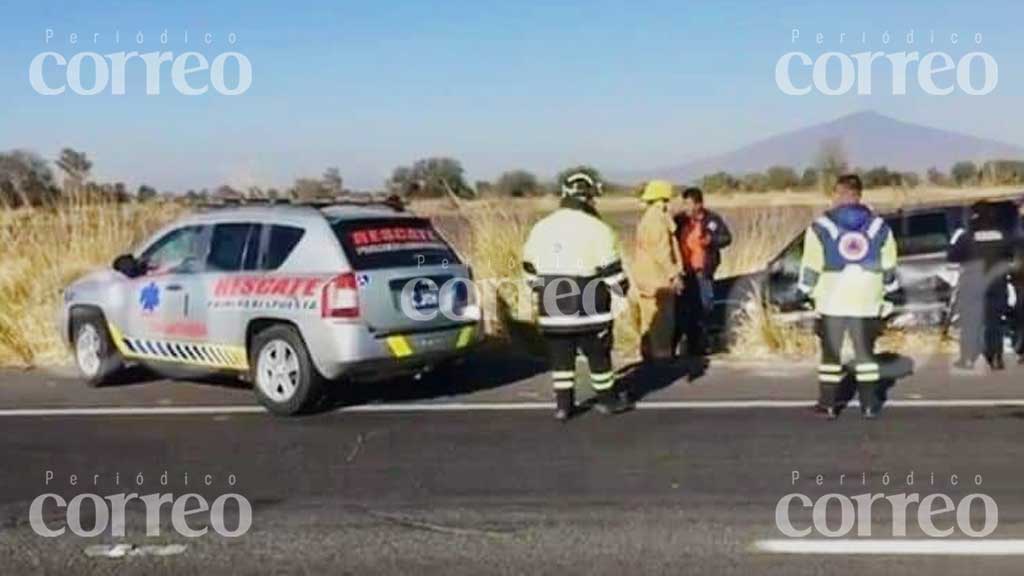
x=346 y=349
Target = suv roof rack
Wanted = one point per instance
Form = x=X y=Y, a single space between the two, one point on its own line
x=392 y=201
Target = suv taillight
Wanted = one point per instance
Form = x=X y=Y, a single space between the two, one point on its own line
x=341 y=297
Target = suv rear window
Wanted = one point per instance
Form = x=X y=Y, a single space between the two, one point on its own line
x=376 y=243
x=924 y=233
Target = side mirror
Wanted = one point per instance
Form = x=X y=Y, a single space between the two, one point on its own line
x=127 y=264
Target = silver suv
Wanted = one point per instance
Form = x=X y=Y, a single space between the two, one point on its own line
x=292 y=296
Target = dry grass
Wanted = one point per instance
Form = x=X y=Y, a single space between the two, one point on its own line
x=42 y=250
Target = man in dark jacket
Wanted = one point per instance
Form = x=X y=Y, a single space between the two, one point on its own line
x=702 y=234
x=1017 y=279
x=984 y=250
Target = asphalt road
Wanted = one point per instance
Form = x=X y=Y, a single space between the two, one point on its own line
x=473 y=476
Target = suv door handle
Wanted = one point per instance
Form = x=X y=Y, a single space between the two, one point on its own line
x=173 y=287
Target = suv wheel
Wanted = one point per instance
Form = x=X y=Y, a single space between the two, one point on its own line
x=95 y=355
x=283 y=375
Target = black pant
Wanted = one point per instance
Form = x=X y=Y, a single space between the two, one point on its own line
x=981 y=326
x=692 y=312
x=595 y=346
x=863 y=333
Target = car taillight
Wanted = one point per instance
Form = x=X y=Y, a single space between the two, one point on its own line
x=341 y=297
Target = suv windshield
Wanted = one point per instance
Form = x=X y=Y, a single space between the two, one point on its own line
x=392 y=243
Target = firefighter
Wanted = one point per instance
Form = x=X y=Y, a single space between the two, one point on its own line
x=849 y=272
x=984 y=250
x=572 y=260
x=657 y=271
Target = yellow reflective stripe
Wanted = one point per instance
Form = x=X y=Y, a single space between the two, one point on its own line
x=563 y=384
x=465 y=337
x=602 y=376
x=868 y=377
x=563 y=374
x=399 y=346
x=868 y=367
x=208 y=355
x=830 y=378
x=118 y=339
x=830 y=368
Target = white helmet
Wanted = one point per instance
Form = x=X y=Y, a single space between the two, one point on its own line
x=581 y=184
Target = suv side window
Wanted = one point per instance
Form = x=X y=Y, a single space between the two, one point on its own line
x=179 y=251
x=282 y=240
x=228 y=246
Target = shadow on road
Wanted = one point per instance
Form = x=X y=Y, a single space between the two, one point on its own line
x=645 y=378
x=492 y=366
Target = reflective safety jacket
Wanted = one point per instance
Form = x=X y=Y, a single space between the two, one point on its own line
x=849 y=263
x=572 y=260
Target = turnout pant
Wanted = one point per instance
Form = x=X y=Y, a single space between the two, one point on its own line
x=596 y=346
x=863 y=333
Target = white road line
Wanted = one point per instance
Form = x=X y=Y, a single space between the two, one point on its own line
x=486 y=407
x=895 y=547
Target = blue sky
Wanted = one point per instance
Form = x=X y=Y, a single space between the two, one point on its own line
x=366 y=86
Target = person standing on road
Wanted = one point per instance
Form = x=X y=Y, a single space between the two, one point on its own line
x=702 y=235
x=984 y=250
x=572 y=260
x=848 y=272
x=1018 y=286
x=657 y=269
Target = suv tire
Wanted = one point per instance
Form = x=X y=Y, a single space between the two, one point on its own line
x=96 y=356
x=283 y=375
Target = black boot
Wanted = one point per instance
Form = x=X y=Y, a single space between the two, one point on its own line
x=612 y=401
x=563 y=404
x=870 y=403
x=997 y=362
x=828 y=400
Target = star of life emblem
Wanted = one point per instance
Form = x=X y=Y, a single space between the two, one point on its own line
x=853 y=246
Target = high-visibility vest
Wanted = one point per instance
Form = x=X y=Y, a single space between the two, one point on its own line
x=848 y=269
x=572 y=260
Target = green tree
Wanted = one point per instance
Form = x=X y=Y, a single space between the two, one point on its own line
x=430 y=178
x=831 y=163
x=754 y=182
x=720 y=181
x=517 y=183
x=333 y=183
x=146 y=193
x=937 y=177
x=809 y=179
x=1002 y=172
x=964 y=173
x=306 y=189
x=25 y=179
x=76 y=167
x=782 y=178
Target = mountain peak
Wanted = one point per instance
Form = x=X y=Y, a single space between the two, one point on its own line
x=868 y=137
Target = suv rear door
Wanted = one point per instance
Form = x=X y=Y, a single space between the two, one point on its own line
x=407 y=274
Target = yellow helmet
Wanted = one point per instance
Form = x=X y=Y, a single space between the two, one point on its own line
x=657 y=190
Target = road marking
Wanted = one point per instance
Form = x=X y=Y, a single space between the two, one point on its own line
x=932 y=547
x=487 y=407
x=126 y=550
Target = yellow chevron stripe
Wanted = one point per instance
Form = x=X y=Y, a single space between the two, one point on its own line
x=465 y=337
x=210 y=355
x=399 y=346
